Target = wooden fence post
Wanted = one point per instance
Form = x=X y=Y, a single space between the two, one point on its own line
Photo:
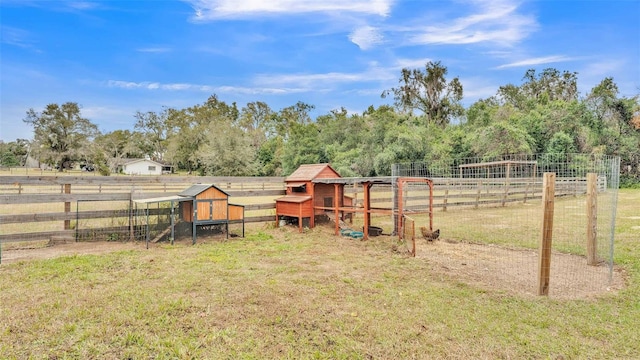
x=67 y=207
x=446 y=195
x=507 y=184
x=548 y=192
x=131 y=231
x=592 y=218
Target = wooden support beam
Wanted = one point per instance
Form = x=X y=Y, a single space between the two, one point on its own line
x=592 y=219
x=544 y=268
x=336 y=206
x=131 y=227
x=367 y=206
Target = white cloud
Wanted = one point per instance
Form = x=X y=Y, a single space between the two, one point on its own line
x=82 y=5
x=146 y=85
x=92 y=112
x=476 y=88
x=220 y=9
x=323 y=80
x=536 y=61
x=16 y=37
x=411 y=63
x=366 y=37
x=123 y=84
x=309 y=80
x=604 y=68
x=259 y=90
x=495 y=22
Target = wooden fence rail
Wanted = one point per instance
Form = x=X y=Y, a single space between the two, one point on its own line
x=33 y=200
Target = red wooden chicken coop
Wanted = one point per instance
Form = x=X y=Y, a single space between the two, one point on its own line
x=306 y=199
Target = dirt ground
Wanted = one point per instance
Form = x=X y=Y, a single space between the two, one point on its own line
x=516 y=271
x=485 y=266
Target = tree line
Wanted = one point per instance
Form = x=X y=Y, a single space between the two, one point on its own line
x=544 y=114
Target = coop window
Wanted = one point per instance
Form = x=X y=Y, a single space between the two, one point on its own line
x=328 y=202
x=152 y=168
x=299 y=189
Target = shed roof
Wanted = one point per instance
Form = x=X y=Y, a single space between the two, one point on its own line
x=133 y=161
x=195 y=190
x=308 y=172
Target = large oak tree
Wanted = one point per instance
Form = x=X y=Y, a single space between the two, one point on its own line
x=61 y=134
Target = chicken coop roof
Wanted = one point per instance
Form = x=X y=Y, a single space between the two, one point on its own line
x=308 y=172
x=195 y=190
x=356 y=180
x=161 y=199
x=294 y=198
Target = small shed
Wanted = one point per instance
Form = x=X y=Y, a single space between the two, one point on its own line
x=209 y=206
x=199 y=205
x=306 y=199
x=144 y=167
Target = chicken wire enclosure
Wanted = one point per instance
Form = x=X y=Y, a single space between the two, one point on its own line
x=159 y=219
x=490 y=214
x=103 y=220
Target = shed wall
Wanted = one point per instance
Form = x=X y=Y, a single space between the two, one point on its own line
x=236 y=212
x=142 y=168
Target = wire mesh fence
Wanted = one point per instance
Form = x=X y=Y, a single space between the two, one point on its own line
x=490 y=215
x=103 y=220
x=158 y=221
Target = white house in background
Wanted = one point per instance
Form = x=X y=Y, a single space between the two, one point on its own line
x=144 y=167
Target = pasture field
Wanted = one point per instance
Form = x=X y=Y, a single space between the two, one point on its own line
x=281 y=294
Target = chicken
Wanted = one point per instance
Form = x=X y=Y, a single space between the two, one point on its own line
x=429 y=235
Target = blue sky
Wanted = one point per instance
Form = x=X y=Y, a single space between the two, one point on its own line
x=118 y=57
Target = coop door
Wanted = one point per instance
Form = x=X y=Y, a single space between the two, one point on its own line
x=328 y=202
x=204 y=210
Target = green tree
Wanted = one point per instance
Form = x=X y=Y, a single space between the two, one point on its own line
x=14 y=153
x=7 y=157
x=302 y=147
x=429 y=92
x=226 y=151
x=549 y=85
x=269 y=157
x=61 y=135
x=188 y=133
x=279 y=129
x=344 y=138
x=153 y=125
x=502 y=138
x=111 y=148
x=256 y=119
x=561 y=143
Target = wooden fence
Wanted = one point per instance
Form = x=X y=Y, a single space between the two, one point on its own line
x=40 y=207
x=30 y=206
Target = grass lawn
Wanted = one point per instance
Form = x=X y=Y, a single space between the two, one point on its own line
x=281 y=294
